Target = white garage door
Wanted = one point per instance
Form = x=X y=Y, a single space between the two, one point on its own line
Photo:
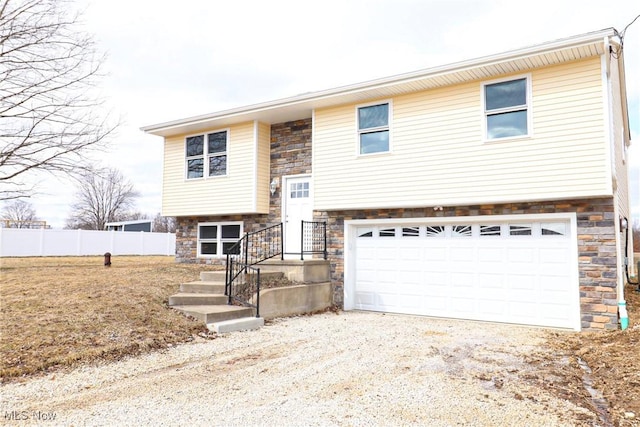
x=510 y=272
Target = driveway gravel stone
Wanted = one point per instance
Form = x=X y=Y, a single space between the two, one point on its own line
x=348 y=369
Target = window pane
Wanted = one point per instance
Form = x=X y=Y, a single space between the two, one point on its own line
x=208 y=231
x=374 y=142
x=365 y=232
x=520 y=230
x=230 y=231
x=217 y=165
x=507 y=124
x=226 y=246
x=411 y=231
x=435 y=230
x=461 y=231
x=208 y=248
x=373 y=116
x=194 y=168
x=217 y=142
x=489 y=230
x=506 y=94
x=388 y=232
x=554 y=229
x=195 y=145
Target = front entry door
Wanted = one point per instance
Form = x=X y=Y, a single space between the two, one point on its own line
x=297 y=207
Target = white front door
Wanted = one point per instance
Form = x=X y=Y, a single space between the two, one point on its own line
x=297 y=208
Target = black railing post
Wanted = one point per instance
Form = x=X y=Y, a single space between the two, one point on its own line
x=258 y=294
x=324 y=231
x=246 y=249
x=302 y=240
x=226 y=277
x=228 y=285
x=281 y=242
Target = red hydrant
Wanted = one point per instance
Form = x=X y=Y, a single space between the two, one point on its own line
x=107 y=259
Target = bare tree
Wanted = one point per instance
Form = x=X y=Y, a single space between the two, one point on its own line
x=19 y=214
x=164 y=224
x=49 y=117
x=101 y=196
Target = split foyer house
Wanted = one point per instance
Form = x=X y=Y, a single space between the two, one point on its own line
x=492 y=189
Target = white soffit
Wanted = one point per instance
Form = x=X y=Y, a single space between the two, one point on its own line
x=300 y=106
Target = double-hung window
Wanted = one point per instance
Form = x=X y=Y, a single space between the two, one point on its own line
x=373 y=128
x=506 y=109
x=206 y=155
x=216 y=239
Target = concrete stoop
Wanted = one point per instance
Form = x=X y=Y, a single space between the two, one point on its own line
x=205 y=300
x=234 y=325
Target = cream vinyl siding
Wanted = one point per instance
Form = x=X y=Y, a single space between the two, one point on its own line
x=262 y=184
x=234 y=193
x=438 y=156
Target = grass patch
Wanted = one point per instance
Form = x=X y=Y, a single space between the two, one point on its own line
x=60 y=311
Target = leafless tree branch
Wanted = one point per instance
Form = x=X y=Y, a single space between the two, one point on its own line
x=102 y=196
x=50 y=118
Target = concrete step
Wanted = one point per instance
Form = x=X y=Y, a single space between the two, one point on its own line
x=213 y=276
x=203 y=287
x=215 y=313
x=220 y=276
x=233 y=325
x=185 y=298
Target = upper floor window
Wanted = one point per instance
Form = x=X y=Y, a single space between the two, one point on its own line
x=506 y=109
x=373 y=128
x=206 y=155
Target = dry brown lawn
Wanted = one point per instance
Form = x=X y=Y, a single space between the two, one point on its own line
x=59 y=311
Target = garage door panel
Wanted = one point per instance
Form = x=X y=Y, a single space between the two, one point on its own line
x=490 y=307
x=521 y=255
x=488 y=281
x=462 y=281
x=491 y=255
x=365 y=300
x=496 y=276
x=435 y=253
x=554 y=256
x=462 y=305
x=462 y=254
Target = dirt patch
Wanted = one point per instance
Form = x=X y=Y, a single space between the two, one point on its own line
x=606 y=362
x=61 y=311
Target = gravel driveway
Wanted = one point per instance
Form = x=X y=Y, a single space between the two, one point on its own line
x=350 y=368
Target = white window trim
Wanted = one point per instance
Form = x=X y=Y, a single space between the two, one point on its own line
x=205 y=155
x=529 y=92
x=388 y=127
x=218 y=239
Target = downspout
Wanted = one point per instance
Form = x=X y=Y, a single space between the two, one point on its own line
x=622 y=305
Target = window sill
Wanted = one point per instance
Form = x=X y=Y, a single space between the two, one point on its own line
x=379 y=153
x=507 y=139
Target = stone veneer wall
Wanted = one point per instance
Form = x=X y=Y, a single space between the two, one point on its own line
x=290 y=153
x=596 y=247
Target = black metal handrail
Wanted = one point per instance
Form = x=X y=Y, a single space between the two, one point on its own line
x=245 y=286
x=252 y=248
x=313 y=239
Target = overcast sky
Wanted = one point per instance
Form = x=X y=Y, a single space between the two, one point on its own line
x=174 y=59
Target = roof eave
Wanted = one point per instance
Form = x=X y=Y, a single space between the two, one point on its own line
x=304 y=103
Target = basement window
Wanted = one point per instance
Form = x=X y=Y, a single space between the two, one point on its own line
x=216 y=239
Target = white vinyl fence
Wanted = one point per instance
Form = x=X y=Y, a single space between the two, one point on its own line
x=25 y=242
